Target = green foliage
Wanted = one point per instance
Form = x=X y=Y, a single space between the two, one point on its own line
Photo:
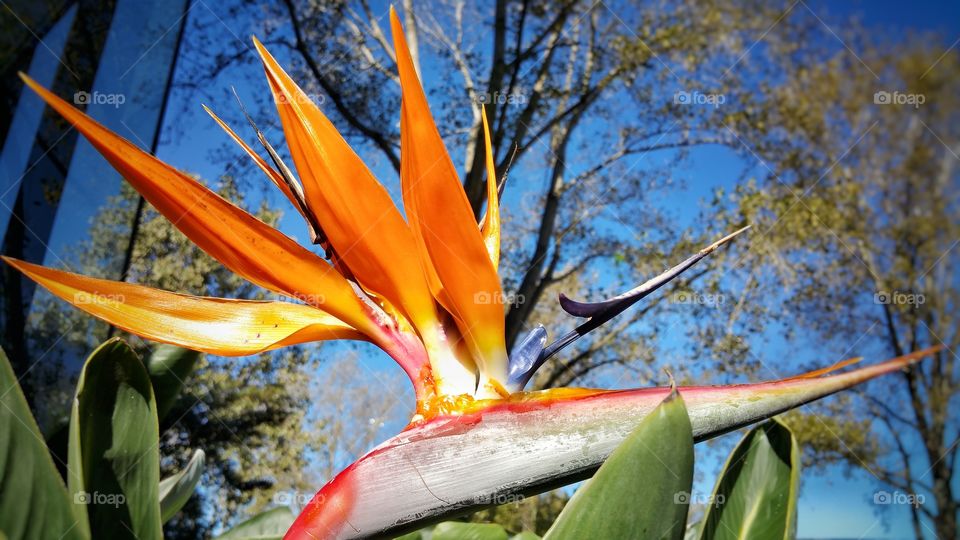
x=639 y=491
x=756 y=494
x=176 y=490
x=169 y=367
x=268 y=525
x=114 y=465
x=34 y=504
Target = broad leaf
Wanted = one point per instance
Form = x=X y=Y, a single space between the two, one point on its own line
x=456 y=530
x=169 y=366
x=756 y=495
x=268 y=525
x=525 y=535
x=34 y=503
x=176 y=490
x=642 y=490
x=114 y=463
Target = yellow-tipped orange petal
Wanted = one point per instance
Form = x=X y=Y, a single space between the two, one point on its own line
x=242 y=243
x=213 y=325
x=490 y=229
x=447 y=226
x=355 y=211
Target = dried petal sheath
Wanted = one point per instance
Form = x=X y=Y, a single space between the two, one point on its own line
x=454 y=465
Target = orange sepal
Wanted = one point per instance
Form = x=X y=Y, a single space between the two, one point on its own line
x=447 y=227
x=490 y=229
x=241 y=242
x=213 y=325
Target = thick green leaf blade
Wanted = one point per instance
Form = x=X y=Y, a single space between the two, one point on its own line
x=525 y=535
x=113 y=452
x=34 y=503
x=639 y=491
x=456 y=530
x=756 y=495
x=176 y=490
x=169 y=366
x=268 y=525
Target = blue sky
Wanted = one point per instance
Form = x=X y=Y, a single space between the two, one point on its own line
x=832 y=505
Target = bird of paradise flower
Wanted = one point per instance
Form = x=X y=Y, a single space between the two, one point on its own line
x=423 y=289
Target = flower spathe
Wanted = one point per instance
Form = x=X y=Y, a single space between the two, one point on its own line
x=423 y=288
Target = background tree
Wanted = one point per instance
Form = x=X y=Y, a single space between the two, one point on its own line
x=858 y=222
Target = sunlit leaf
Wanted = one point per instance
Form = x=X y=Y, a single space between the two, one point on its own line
x=639 y=492
x=34 y=503
x=176 y=490
x=268 y=525
x=114 y=462
x=756 y=495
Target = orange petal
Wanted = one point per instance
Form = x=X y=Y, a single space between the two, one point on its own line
x=213 y=325
x=242 y=243
x=491 y=220
x=447 y=226
x=355 y=211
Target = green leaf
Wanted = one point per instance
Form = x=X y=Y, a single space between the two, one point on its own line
x=642 y=490
x=169 y=366
x=456 y=530
x=268 y=525
x=114 y=463
x=756 y=495
x=525 y=535
x=34 y=503
x=176 y=490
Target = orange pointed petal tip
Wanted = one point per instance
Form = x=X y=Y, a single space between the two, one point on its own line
x=213 y=325
x=356 y=212
x=438 y=209
x=241 y=242
x=491 y=220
